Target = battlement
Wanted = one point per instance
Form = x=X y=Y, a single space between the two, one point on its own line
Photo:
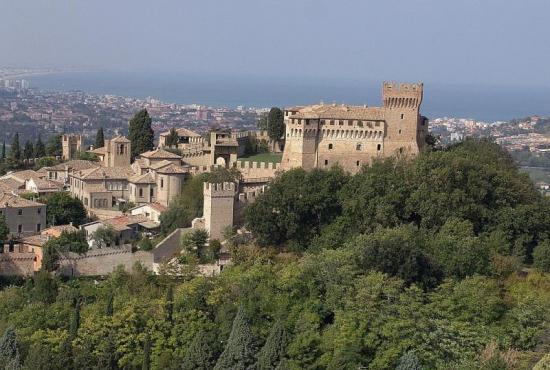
x=402 y=95
x=219 y=190
x=256 y=165
x=250 y=196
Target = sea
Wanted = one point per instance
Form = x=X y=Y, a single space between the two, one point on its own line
x=479 y=102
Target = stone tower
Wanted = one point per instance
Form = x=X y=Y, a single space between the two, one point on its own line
x=301 y=143
x=405 y=127
x=71 y=145
x=218 y=207
x=117 y=152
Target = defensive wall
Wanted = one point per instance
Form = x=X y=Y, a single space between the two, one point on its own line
x=17 y=264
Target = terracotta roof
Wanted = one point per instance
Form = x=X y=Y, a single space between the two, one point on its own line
x=146 y=178
x=160 y=154
x=328 y=111
x=156 y=206
x=74 y=165
x=11 y=200
x=182 y=131
x=9 y=185
x=124 y=222
x=43 y=185
x=100 y=151
x=55 y=230
x=172 y=168
x=161 y=164
x=35 y=240
x=96 y=188
x=99 y=173
x=23 y=175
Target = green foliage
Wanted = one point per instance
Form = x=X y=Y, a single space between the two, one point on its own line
x=40 y=357
x=99 y=139
x=202 y=352
x=15 y=150
x=45 y=162
x=3 y=155
x=145 y=244
x=297 y=207
x=67 y=242
x=541 y=256
x=409 y=361
x=274 y=349
x=146 y=353
x=241 y=348
x=195 y=243
x=172 y=139
x=39 y=148
x=275 y=124
x=62 y=209
x=543 y=364
x=140 y=133
x=105 y=236
x=9 y=351
x=54 y=146
x=28 y=151
x=87 y=156
x=262 y=121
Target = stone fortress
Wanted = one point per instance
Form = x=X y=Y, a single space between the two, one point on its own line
x=319 y=136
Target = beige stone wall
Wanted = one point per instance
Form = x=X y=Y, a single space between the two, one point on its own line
x=351 y=142
x=257 y=169
x=17 y=264
x=103 y=261
x=30 y=220
x=218 y=208
x=168 y=187
x=71 y=145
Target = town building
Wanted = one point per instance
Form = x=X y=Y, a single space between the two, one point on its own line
x=23 y=217
x=71 y=145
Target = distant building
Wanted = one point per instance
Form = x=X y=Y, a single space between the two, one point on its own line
x=23 y=217
x=71 y=145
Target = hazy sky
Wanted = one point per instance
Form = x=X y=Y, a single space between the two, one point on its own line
x=490 y=42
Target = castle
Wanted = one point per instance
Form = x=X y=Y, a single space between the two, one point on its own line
x=320 y=136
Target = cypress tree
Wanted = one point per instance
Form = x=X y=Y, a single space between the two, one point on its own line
x=169 y=305
x=109 y=307
x=4 y=150
x=99 y=138
x=9 y=350
x=275 y=124
x=173 y=138
x=202 y=352
x=140 y=133
x=15 y=150
x=409 y=361
x=146 y=353
x=28 y=151
x=107 y=357
x=64 y=358
x=75 y=321
x=274 y=349
x=39 y=148
x=84 y=359
x=241 y=348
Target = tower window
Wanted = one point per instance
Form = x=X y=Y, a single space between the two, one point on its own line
x=358 y=147
x=140 y=192
x=358 y=163
x=350 y=123
x=360 y=123
x=402 y=116
x=400 y=132
x=19 y=212
x=378 y=147
x=341 y=123
x=330 y=146
x=332 y=122
x=326 y=162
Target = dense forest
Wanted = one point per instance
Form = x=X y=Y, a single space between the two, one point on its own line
x=436 y=262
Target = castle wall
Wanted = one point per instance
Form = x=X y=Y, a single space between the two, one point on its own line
x=103 y=261
x=16 y=264
x=251 y=170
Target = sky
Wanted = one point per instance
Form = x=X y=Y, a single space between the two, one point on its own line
x=482 y=42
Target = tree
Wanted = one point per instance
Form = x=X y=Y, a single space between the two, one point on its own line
x=169 y=304
x=194 y=242
x=45 y=288
x=104 y=236
x=4 y=231
x=75 y=321
x=62 y=209
x=99 y=139
x=202 y=352
x=39 y=148
x=40 y=357
x=141 y=134
x=28 y=151
x=67 y=242
x=241 y=348
x=409 y=361
x=107 y=355
x=3 y=150
x=145 y=244
x=262 y=121
x=275 y=124
x=544 y=363
x=146 y=353
x=15 y=150
x=64 y=357
x=274 y=349
x=109 y=305
x=54 y=147
x=172 y=139
x=541 y=256
x=9 y=351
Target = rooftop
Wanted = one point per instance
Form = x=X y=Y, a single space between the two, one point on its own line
x=182 y=132
x=10 y=200
x=159 y=154
x=333 y=111
x=75 y=165
x=99 y=173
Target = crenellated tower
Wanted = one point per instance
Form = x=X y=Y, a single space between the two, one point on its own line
x=219 y=201
x=406 y=128
x=302 y=135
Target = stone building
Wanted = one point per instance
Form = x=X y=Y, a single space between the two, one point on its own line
x=115 y=153
x=319 y=136
x=23 y=217
x=71 y=145
x=187 y=139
